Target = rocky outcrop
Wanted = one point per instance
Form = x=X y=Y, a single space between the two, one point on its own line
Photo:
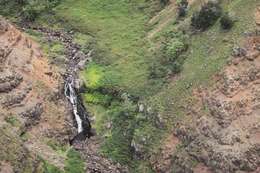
x=9 y=81
x=32 y=115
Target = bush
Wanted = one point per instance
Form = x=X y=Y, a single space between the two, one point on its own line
x=173 y=49
x=164 y=2
x=182 y=7
x=170 y=56
x=207 y=16
x=157 y=70
x=29 y=13
x=226 y=22
x=28 y=10
x=33 y=8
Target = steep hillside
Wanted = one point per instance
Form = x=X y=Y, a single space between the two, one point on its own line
x=170 y=86
x=29 y=88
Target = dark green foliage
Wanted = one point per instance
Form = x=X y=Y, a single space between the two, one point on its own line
x=226 y=22
x=182 y=7
x=164 y=2
x=169 y=56
x=11 y=120
x=33 y=8
x=207 y=16
x=49 y=168
x=28 y=10
x=157 y=70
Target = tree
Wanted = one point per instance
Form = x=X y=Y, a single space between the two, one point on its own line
x=164 y=2
x=207 y=16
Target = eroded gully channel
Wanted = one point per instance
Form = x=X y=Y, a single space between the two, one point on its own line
x=75 y=61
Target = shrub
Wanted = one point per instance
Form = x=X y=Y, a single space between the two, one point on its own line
x=157 y=70
x=33 y=8
x=182 y=7
x=164 y=2
x=170 y=56
x=207 y=16
x=173 y=49
x=28 y=10
x=29 y=13
x=226 y=22
x=176 y=67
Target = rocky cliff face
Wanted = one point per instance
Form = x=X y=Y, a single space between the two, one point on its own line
x=33 y=107
x=29 y=94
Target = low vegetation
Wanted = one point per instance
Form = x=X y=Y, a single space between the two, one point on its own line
x=226 y=22
x=74 y=164
x=182 y=7
x=28 y=10
x=169 y=56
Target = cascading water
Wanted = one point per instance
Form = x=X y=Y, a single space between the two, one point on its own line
x=79 y=111
x=72 y=97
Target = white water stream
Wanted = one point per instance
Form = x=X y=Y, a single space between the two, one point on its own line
x=71 y=95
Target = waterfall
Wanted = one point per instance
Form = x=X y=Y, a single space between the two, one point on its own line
x=72 y=97
x=76 y=62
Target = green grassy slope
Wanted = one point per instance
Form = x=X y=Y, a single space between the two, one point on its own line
x=118 y=77
x=119 y=29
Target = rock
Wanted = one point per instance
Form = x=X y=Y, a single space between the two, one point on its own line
x=239 y=52
x=141 y=107
x=49 y=73
x=9 y=81
x=32 y=115
x=252 y=55
x=3 y=25
x=15 y=98
x=257 y=16
x=138 y=149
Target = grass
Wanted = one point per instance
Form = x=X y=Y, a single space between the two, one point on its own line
x=57 y=146
x=97 y=98
x=74 y=163
x=12 y=150
x=49 y=168
x=119 y=28
x=12 y=120
x=94 y=76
